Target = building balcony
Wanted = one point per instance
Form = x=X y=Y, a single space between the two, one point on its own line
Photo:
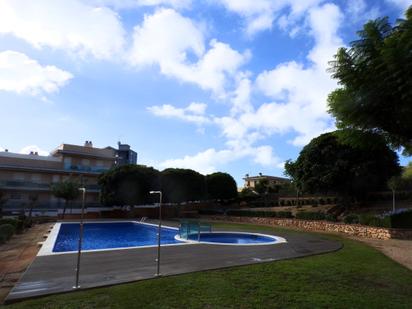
x=25 y=185
x=84 y=168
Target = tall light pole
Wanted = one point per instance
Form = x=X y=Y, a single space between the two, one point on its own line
x=83 y=190
x=158 y=230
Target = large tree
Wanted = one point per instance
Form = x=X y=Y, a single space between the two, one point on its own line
x=375 y=75
x=182 y=185
x=67 y=190
x=221 y=186
x=128 y=185
x=328 y=164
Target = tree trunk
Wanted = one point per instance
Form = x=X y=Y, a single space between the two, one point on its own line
x=64 y=208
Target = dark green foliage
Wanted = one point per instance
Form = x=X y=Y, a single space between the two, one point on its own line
x=259 y=213
x=11 y=221
x=375 y=75
x=181 y=185
x=310 y=215
x=329 y=164
x=221 y=186
x=19 y=224
x=351 y=219
x=128 y=185
x=331 y=218
x=402 y=220
x=211 y=212
x=6 y=231
x=67 y=190
x=372 y=220
x=247 y=194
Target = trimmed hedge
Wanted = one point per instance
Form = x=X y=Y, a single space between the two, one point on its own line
x=402 y=220
x=310 y=215
x=259 y=213
x=371 y=220
x=6 y=231
x=211 y=212
x=351 y=219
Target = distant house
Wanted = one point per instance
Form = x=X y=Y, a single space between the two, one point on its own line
x=273 y=181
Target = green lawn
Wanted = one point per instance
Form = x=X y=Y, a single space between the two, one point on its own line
x=355 y=277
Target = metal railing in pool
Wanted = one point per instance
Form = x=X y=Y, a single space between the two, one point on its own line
x=191 y=229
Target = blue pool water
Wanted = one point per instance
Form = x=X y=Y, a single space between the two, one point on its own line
x=234 y=238
x=111 y=235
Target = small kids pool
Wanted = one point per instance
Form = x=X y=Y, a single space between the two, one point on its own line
x=234 y=238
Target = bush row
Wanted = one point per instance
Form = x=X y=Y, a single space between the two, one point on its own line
x=6 y=231
x=259 y=213
x=402 y=220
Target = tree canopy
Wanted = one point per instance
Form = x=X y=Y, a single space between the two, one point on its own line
x=375 y=75
x=328 y=164
x=221 y=186
x=67 y=190
x=181 y=185
x=128 y=185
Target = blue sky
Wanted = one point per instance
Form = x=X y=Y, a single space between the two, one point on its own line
x=216 y=85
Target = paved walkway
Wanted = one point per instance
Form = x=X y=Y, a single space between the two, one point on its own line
x=56 y=273
x=17 y=254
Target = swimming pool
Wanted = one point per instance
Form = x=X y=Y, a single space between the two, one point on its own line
x=117 y=235
x=106 y=236
x=235 y=238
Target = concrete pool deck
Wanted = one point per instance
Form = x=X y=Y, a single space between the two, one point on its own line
x=56 y=273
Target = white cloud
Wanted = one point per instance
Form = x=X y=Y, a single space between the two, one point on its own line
x=125 y=4
x=194 y=112
x=20 y=74
x=300 y=92
x=73 y=26
x=171 y=41
x=402 y=4
x=33 y=148
x=358 y=11
x=208 y=161
x=260 y=14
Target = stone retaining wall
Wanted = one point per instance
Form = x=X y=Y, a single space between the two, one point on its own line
x=350 y=229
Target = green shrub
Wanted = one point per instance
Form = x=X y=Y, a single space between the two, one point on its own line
x=283 y=214
x=331 y=218
x=310 y=215
x=371 y=220
x=351 y=219
x=321 y=201
x=211 y=212
x=402 y=220
x=6 y=231
x=259 y=213
x=9 y=221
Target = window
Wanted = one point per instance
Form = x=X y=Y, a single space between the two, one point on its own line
x=15 y=196
x=67 y=163
x=36 y=178
x=18 y=176
x=85 y=162
x=56 y=178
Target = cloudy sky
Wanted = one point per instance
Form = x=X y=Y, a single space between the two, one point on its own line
x=230 y=85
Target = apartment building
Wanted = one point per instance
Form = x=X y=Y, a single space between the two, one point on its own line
x=27 y=177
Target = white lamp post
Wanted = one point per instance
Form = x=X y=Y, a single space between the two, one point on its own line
x=80 y=239
x=158 y=230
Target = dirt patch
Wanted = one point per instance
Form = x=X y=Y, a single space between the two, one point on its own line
x=17 y=254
